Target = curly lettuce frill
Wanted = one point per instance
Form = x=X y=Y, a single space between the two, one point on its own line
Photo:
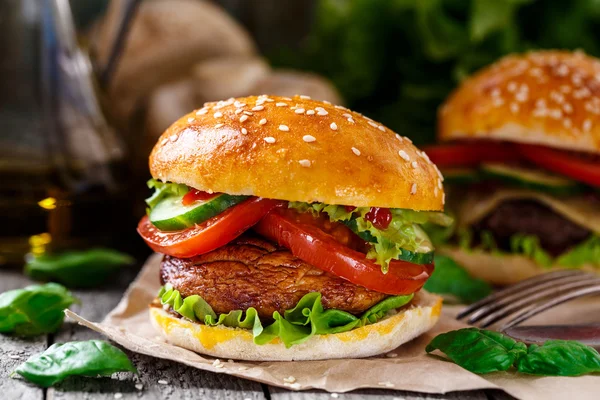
x=297 y=325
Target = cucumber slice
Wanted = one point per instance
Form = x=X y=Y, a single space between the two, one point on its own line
x=461 y=176
x=531 y=179
x=171 y=215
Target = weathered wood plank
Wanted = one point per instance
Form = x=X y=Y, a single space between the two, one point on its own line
x=373 y=394
x=13 y=351
x=156 y=379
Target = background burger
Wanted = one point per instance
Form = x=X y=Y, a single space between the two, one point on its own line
x=291 y=229
x=522 y=166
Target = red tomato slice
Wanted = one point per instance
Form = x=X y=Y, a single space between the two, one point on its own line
x=209 y=235
x=311 y=244
x=470 y=153
x=563 y=163
x=194 y=195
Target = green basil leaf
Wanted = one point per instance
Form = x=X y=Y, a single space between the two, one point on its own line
x=559 y=358
x=61 y=360
x=379 y=310
x=34 y=310
x=479 y=351
x=450 y=278
x=81 y=269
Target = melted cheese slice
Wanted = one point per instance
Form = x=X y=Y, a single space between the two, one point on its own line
x=578 y=209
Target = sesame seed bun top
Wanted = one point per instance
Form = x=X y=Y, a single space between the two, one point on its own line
x=549 y=98
x=296 y=149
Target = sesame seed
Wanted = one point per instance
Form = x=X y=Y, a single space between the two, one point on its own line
x=248 y=113
x=381 y=128
x=281 y=104
x=268 y=100
x=284 y=128
x=219 y=126
x=260 y=102
x=202 y=112
x=413 y=188
x=190 y=120
x=305 y=163
x=243 y=118
x=521 y=97
x=308 y=138
x=403 y=154
x=495 y=92
x=258 y=108
x=350 y=120
x=238 y=104
x=399 y=138
x=322 y=112
x=340 y=107
x=347 y=115
x=244 y=131
x=514 y=108
x=310 y=112
x=218 y=114
x=289 y=379
x=173 y=138
x=238 y=111
x=440 y=185
x=165 y=140
x=414 y=164
x=567 y=123
x=556 y=113
x=511 y=87
x=270 y=139
x=587 y=125
x=287 y=98
x=333 y=126
x=356 y=151
x=162 y=382
x=373 y=124
x=498 y=102
x=262 y=121
x=326 y=102
x=304 y=97
x=435 y=191
x=568 y=108
x=407 y=139
x=299 y=111
x=443 y=198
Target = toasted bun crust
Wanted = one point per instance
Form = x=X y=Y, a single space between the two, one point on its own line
x=501 y=269
x=549 y=98
x=296 y=149
x=224 y=342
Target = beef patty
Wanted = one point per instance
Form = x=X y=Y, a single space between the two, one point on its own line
x=252 y=272
x=556 y=233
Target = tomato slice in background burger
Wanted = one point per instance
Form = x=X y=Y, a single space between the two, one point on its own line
x=314 y=246
x=564 y=163
x=465 y=154
x=209 y=235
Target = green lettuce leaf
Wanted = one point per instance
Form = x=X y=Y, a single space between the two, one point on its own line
x=529 y=246
x=297 y=325
x=403 y=233
x=587 y=252
x=162 y=190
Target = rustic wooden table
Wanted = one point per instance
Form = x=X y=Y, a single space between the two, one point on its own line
x=156 y=379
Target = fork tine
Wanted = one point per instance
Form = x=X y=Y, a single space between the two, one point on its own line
x=524 y=316
x=516 y=288
x=546 y=294
x=527 y=293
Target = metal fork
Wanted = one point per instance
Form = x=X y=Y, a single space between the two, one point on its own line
x=530 y=297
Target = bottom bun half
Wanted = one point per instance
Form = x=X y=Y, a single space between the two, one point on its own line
x=501 y=269
x=381 y=337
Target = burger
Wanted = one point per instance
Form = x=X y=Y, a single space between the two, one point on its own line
x=291 y=230
x=520 y=150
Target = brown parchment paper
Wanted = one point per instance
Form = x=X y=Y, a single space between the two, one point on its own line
x=406 y=368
